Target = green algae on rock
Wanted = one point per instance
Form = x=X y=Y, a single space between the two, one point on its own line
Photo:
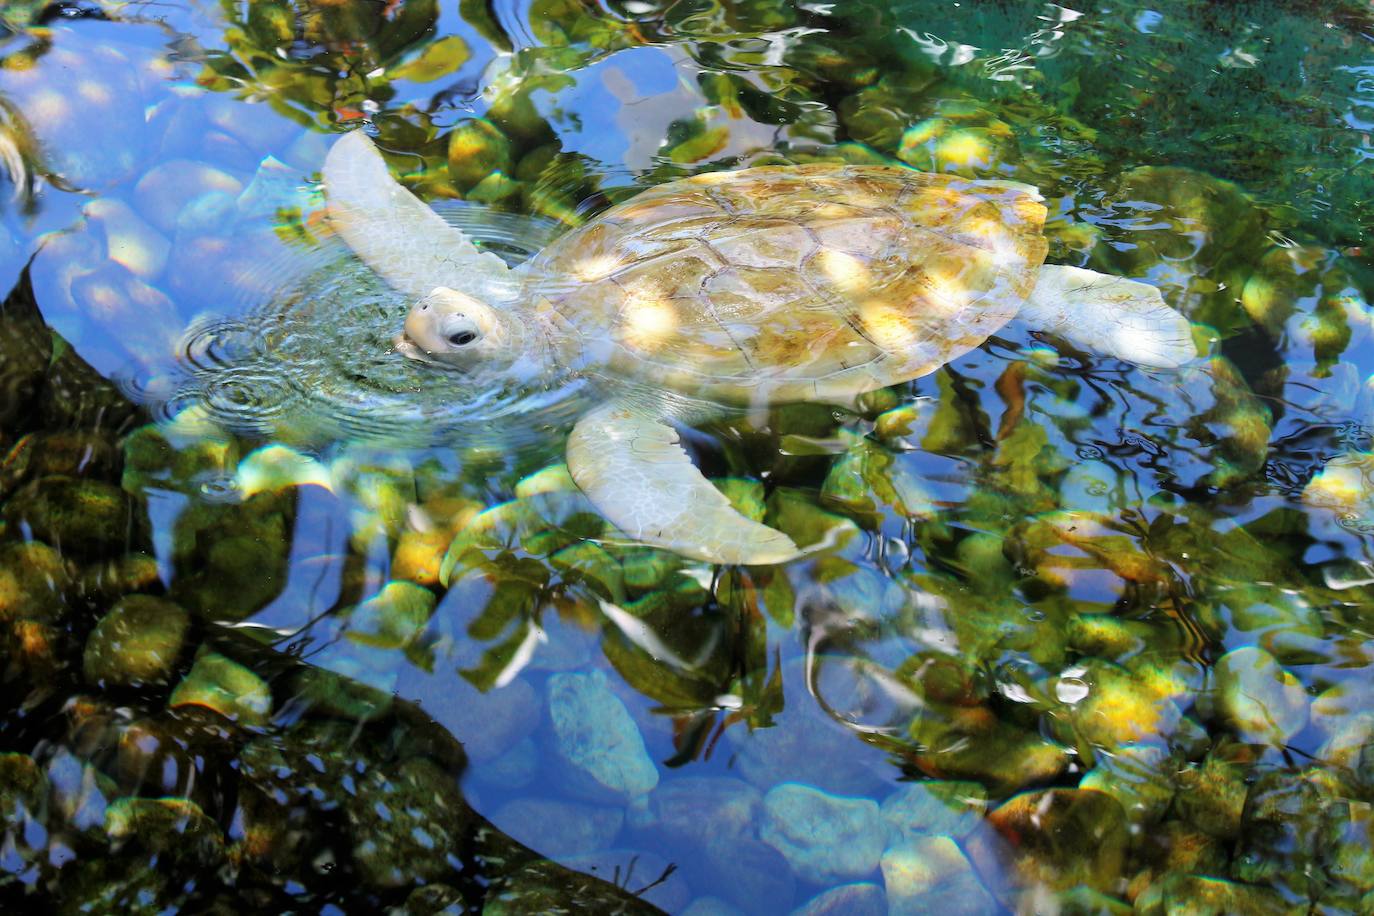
x=137 y=642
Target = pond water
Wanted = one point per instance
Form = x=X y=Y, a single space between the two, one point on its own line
x=291 y=623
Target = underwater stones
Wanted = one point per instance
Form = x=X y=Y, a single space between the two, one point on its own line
x=823 y=836
x=1138 y=777
x=137 y=642
x=558 y=828
x=935 y=807
x=1283 y=827
x=406 y=823
x=230 y=689
x=859 y=899
x=161 y=194
x=1119 y=708
x=276 y=468
x=1256 y=698
x=247 y=544
x=1180 y=847
x=635 y=873
x=701 y=810
x=1211 y=796
x=929 y=874
x=979 y=746
x=174 y=827
x=84 y=517
x=129 y=241
x=1183 y=894
x=23 y=792
x=1060 y=838
x=489 y=723
x=33 y=580
x=72 y=453
x=104 y=581
x=597 y=737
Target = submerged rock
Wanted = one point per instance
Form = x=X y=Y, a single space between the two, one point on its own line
x=1212 y=796
x=1257 y=698
x=929 y=874
x=230 y=689
x=862 y=899
x=1139 y=777
x=558 y=828
x=1060 y=838
x=935 y=807
x=33 y=582
x=79 y=516
x=823 y=836
x=175 y=827
x=137 y=642
x=597 y=737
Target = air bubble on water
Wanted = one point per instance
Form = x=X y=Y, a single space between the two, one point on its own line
x=1071 y=690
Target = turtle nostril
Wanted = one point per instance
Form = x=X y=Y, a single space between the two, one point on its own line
x=462 y=338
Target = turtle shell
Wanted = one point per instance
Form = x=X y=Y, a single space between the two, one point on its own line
x=793 y=283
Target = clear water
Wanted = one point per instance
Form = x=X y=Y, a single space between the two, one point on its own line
x=1051 y=570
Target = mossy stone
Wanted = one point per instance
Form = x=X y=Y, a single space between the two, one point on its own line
x=23 y=790
x=1063 y=838
x=1211 y=797
x=137 y=642
x=1139 y=777
x=230 y=689
x=33 y=582
x=980 y=747
x=84 y=517
x=174 y=827
x=1185 y=895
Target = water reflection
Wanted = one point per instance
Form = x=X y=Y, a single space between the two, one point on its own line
x=1062 y=591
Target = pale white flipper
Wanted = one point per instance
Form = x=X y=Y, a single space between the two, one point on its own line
x=397 y=234
x=1109 y=315
x=634 y=471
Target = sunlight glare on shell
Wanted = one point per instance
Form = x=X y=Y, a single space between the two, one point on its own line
x=946 y=287
x=648 y=319
x=844 y=270
x=889 y=327
x=596 y=267
x=995 y=235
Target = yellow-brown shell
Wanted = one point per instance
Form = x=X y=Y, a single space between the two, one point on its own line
x=783 y=283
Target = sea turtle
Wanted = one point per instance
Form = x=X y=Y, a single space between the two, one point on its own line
x=736 y=289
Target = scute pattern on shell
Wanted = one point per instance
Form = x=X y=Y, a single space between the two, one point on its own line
x=820 y=281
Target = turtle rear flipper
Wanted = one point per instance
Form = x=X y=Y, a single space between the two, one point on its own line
x=632 y=468
x=1109 y=315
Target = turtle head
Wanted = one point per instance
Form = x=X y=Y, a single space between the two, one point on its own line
x=454 y=329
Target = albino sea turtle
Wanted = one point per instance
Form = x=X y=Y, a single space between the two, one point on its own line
x=735 y=290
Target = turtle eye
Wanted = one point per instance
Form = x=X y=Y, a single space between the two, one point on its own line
x=462 y=338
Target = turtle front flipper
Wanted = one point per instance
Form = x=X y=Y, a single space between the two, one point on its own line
x=634 y=471
x=397 y=234
x=1109 y=315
